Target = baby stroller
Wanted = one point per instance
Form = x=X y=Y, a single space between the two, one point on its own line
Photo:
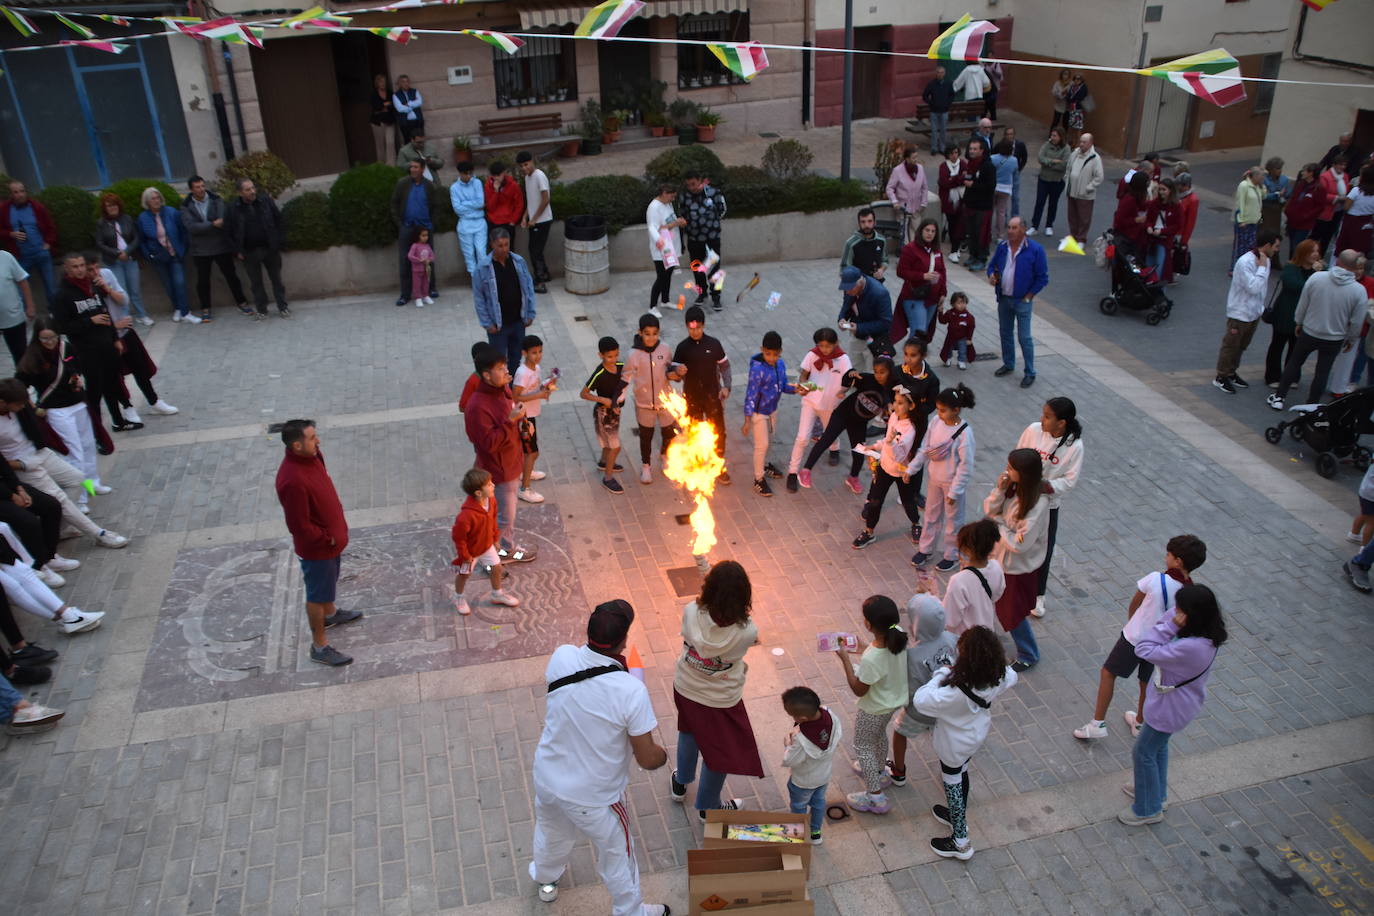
x=1332 y=430
x=1134 y=286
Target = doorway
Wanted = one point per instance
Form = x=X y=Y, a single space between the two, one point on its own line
x=869 y=69
x=623 y=67
x=1163 y=117
x=358 y=58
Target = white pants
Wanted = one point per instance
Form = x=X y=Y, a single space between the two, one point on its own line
x=73 y=426
x=761 y=428
x=940 y=519
x=558 y=825
x=48 y=473
x=27 y=592
x=809 y=415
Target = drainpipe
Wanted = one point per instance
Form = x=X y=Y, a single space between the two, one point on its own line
x=217 y=100
x=234 y=94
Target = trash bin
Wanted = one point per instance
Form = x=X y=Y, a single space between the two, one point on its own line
x=586 y=255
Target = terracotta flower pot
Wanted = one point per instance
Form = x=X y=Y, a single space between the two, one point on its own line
x=657 y=131
x=706 y=133
x=570 y=148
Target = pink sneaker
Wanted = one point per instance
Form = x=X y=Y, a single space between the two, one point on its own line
x=804 y=478
x=853 y=484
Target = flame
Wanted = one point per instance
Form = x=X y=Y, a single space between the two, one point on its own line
x=692 y=462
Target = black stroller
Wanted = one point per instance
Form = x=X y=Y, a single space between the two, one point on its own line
x=1134 y=286
x=1332 y=430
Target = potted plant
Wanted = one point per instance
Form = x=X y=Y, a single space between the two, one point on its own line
x=610 y=127
x=706 y=123
x=572 y=139
x=591 y=127
x=462 y=149
x=682 y=114
x=657 y=123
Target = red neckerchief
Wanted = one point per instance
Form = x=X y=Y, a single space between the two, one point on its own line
x=910 y=169
x=84 y=284
x=1178 y=575
x=819 y=731
x=824 y=362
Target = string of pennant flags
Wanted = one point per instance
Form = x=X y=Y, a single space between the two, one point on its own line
x=1213 y=76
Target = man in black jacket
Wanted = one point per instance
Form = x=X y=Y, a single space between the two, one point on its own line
x=256 y=232
x=415 y=202
x=703 y=207
x=939 y=95
x=203 y=214
x=980 y=184
x=78 y=307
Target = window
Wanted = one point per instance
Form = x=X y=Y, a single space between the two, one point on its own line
x=696 y=66
x=544 y=70
x=1264 y=92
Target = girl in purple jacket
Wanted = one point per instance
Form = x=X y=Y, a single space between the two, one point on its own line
x=1182 y=649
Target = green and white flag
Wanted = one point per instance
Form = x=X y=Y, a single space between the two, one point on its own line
x=961 y=41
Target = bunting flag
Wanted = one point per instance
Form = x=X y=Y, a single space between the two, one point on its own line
x=226 y=29
x=1212 y=75
x=747 y=59
x=114 y=20
x=607 y=19
x=401 y=35
x=22 y=24
x=180 y=24
x=401 y=5
x=108 y=46
x=76 y=27
x=961 y=41
x=496 y=39
x=317 y=18
x=1317 y=5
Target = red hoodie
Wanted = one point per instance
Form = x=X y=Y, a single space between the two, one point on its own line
x=494 y=436
x=474 y=530
x=506 y=203
x=314 y=515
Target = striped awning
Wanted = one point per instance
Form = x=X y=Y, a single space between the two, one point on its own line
x=543 y=17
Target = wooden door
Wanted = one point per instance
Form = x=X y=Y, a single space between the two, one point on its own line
x=298 y=96
x=868 y=73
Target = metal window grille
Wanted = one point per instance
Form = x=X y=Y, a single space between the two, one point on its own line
x=698 y=68
x=543 y=71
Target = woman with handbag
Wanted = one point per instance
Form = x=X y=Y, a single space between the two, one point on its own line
x=1282 y=309
x=1183 y=649
x=1076 y=104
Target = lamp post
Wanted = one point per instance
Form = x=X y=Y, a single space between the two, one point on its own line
x=847 y=103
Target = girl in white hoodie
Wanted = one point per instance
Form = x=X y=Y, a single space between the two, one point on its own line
x=1058 y=437
x=947 y=454
x=1018 y=506
x=959 y=699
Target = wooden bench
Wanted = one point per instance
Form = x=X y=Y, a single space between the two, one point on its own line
x=961 y=114
x=495 y=127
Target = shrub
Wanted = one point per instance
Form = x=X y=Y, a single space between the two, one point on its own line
x=308 y=223
x=129 y=190
x=669 y=166
x=750 y=191
x=268 y=171
x=565 y=201
x=619 y=199
x=5 y=186
x=813 y=194
x=787 y=159
x=360 y=204
x=73 y=210
x=888 y=157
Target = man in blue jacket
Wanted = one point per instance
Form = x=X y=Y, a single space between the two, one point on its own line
x=1018 y=271
x=470 y=203
x=867 y=312
x=503 y=291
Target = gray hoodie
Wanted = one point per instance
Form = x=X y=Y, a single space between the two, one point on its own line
x=1332 y=305
x=933 y=647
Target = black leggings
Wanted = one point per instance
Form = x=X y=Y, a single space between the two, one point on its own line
x=909 y=493
x=663 y=284
x=844 y=419
x=646 y=439
x=37 y=527
x=1049 y=553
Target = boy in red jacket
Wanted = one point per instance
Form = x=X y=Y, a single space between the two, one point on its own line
x=474 y=538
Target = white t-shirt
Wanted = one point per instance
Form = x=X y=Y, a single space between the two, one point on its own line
x=528 y=381
x=830 y=379
x=1153 y=608
x=11 y=301
x=584 y=752
x=535 y=183
x=655 y=216
x=967 y=605
x=897 y=445
x=14 y=445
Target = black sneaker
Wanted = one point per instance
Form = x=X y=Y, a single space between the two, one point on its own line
x=126 y=426
x=1224 y=384
x=610 y=483
x=945 y=847
x=945 y=565
x=1027 y=381
x=340 y=617
x=897 y=776
x=676 y=789
x=716 y=306
x=915 y=534
x=541 y=289
x=1003 y=370
x=762 y=488
x=1239 y=382
x=941 y=814
x=399 y=303
x=25 y=675
x=773 y=471
x=1019 y=666
x=33 y=654
x=701 y=297
x=834 y=458
x=602 y=465
x=730 y=804
x=919 y=560
x=863 y=540
x=724 y=479
x=328 y=655
x=792 y=485
x=285 y=312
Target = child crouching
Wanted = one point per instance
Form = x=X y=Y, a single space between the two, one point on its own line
x=474 y=537
x=934 y=649
x=810 y=754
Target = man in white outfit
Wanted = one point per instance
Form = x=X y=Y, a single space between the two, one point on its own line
x=598 y=716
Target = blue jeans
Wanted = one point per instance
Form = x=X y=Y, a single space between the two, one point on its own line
x=1151 y=757
x=1027 y=649
x=41 y=264
x=1018 y=312
x=126 y=272
x=472 y=243
x=173 y=278
x=1361 y=361
x=9 y=698
x=508 y=340
x=1016 y=193
x=1365 y=558
x=506 y=502
x=918 y=316
x=802 y=799
x=939 y=131
x=708 y=793
x=1155 y=258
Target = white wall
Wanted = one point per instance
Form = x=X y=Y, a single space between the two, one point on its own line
x=1190 y=26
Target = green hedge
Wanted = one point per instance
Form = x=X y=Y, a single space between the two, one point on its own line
x=620 y=199
x=360 y=204
x=750 y=191
x=308 y=223
x=130 y=190
x=669 y=166
x=73 y=210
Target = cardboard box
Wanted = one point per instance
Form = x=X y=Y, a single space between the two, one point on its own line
x=728 y=880
x=718 y=820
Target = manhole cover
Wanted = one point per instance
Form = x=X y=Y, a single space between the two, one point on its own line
x=686 y=581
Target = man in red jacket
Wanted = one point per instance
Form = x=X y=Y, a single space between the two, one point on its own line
x=492 y=420
x=319 y=533
x=505 y=200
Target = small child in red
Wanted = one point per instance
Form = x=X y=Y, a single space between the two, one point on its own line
x=960 y=333
x=474 y=537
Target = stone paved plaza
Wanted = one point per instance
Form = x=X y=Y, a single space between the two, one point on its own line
x=205 y=767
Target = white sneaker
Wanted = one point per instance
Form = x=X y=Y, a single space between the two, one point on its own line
x=419 y=303
x=100 y=488
x=34 y=716
x=954 y=257
x=1049 y=230
x=193 y=319
x=460 y=604
x=50 y=578
x=962 y=364
x=548 y=893
x=1090 y=731
x=85 y=509
x=1353 y=538
x=646 y=474
x=1275 y=401
x=502 y=598
x=529 y=495
x=427 y=301
x=131 y=415
x=655 y=311
x=176 y=316
x=1039 y=609
x=1131 y=720
x=146 y=321
x=111 y=540
x=537 y=475
x=81 y=621
x=163 y=408
x=1030 y=231
x=945 y=363
x=63 y=564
